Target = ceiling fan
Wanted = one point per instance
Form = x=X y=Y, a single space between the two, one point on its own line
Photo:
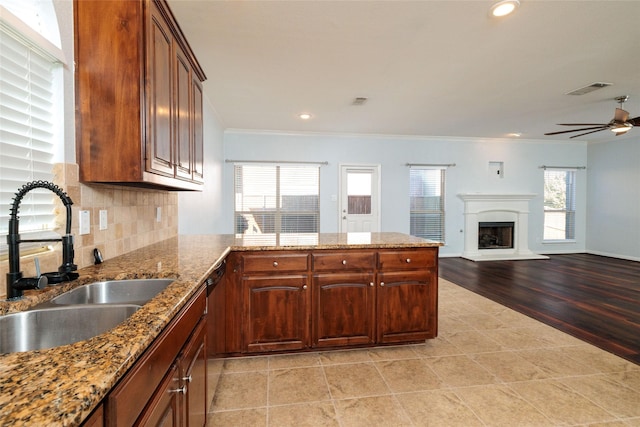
x=620 y=124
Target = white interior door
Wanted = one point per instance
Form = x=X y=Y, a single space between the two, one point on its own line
x=359 y=198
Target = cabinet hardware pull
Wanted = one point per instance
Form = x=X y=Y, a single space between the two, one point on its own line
x=182 y=390
x=370 y=283
x=408 y=260
x=381 y=283
x=187 y=379
x=275 y=263
x=304 y=287
x=344 y=262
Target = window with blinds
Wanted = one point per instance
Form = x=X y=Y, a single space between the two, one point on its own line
x=559 y=204
x=426 y=196
x=276 y=198
x=28 y=102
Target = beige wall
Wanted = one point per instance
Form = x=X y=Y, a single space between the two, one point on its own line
x=131 y=221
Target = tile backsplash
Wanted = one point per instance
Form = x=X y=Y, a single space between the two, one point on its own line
x=132 y=221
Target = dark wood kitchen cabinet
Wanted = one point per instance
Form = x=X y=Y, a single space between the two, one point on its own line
x=276 y=302
x=407 y=295
x=167 y=385
x=344 y=298
x=180 y=400
x=138 y=96
x=299 y=300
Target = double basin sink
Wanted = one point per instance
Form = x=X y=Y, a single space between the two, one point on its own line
x=77 y=315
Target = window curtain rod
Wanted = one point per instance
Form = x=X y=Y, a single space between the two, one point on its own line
x=562 y=167
x=276 y=161
x=434 y=165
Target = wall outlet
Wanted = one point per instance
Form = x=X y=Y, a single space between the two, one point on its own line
x=85 y=222
x=158 y=214
x=103 y=219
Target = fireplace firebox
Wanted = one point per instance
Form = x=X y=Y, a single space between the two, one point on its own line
x=496 y=235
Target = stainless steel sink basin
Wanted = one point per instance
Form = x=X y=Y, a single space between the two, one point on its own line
x=56 y=326
x=137 y=291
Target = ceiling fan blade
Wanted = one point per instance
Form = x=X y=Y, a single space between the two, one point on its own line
x=587 y=133
x=599 y=127
x=621 y=115
x=582 y=124
x=635 y=121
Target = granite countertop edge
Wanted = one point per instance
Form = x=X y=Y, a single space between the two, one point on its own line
x=62 y=385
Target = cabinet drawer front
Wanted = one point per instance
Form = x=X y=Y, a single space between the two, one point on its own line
x=343 y=261
x=407 y=259
x=274 y=262
x=127 y=400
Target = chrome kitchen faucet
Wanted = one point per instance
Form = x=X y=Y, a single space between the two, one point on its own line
x=16 y=284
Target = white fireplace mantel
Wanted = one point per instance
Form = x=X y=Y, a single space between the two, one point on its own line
x=483 y=207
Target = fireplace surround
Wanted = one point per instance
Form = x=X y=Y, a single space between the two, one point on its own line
x=497 y=208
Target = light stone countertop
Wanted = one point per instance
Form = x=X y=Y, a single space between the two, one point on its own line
x=62 y=385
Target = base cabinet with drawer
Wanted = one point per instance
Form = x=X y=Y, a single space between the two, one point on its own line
x=281 y=300
x=167 y=385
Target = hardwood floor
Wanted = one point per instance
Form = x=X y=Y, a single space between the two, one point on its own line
x=593 y=298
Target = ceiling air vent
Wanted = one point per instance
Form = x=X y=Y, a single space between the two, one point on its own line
x=359 y=100
x=590 y=88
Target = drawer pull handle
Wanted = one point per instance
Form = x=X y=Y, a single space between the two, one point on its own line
x=275 y=263
x=381 y=283
x=371 y=284
x=187 y=379
x=182 y=390
x=408 y=260
x=304 y=287
x=344 y=262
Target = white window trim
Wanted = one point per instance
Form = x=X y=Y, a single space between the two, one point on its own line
x=14 y=27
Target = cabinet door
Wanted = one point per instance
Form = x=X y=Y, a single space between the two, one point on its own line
x=197 y=126
x=407 y=306
x=276 y=313
x=194 y=376
x=183 y=114
x=159 y=149
x=164 y=408
x=344 y=307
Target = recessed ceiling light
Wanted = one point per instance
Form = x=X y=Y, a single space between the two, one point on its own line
x=504 y=7
x=305 y=116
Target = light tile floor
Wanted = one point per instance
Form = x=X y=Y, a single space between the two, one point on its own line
x=489 y=366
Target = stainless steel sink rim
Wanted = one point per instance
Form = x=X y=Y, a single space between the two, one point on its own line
x=134 y=291
x=50 y=327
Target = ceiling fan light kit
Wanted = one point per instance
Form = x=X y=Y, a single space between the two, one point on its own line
x=504 y=7
x=619 y=125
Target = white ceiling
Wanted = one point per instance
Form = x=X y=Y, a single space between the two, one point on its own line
x=434 y=68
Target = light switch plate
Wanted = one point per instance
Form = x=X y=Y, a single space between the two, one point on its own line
x=85 y=222
x=103 y=219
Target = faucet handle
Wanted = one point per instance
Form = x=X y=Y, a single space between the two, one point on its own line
x=40 y=281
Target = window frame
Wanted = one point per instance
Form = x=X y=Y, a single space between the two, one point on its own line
x=441 y=211
x=569 y=210
x=32 y=123
x=279 y=212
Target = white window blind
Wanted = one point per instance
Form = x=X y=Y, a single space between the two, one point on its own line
x=27 y=103
x=273 y=198
x=559 y=204
x=426 y=195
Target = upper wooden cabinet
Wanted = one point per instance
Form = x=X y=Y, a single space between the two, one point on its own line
x=138 y=96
